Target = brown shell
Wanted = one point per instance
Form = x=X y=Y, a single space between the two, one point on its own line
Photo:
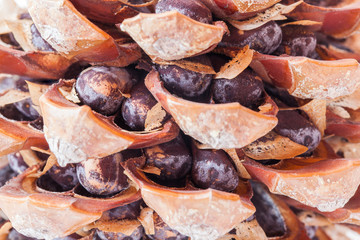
x=17 y=135
x=200 y=214
x=171 y=35
x=106 y=11
x=308 y=78
x=350 y=213
x=41 y=214
x=33 y=64
x=273 y=146
x=274 y=13
x=216 y=125
x=338 y=126
x=333 y=53
x=326 y=184
x=237 y=9
x=339 y=22
x=72 y=131
x=70 y=33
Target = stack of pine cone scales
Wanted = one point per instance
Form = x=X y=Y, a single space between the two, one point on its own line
x=180 y=119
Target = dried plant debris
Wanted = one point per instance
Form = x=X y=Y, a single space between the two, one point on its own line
x=277 y=12
x=155 y=117
x=273 y=146
x=238 y=64
x=188 y=65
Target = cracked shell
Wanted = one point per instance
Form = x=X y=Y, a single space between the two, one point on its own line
x=350 y=213
x=35 y=212
x=18 y=135
x=71 y=33
x=72 y=131
x=33 y=64
x=107 y=11
x=345 y=127
x=339 y=22
x=326 y=184
x=237 y=9
x=199 y=214
x=219 y=126
x=171 y=35
x=308 y=78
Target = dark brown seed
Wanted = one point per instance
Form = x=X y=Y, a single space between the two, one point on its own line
x=47 y=183
x=129 y=211
x=102 y=176
x=172 y=158
x=40 y=43
x=213 y=169
x=297 y=41
x=16 y=162
x=134 y=109
x=265 y=39
x=247 y=89
x=64 y=176
x=38 y=124
x=20 y=111
x=194 y=9
x=101 y=88
x=186 y=83
x=267 y=213
x=300 y=130
x=281 y=96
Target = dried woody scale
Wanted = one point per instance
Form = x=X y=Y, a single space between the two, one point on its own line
x=180 y=119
